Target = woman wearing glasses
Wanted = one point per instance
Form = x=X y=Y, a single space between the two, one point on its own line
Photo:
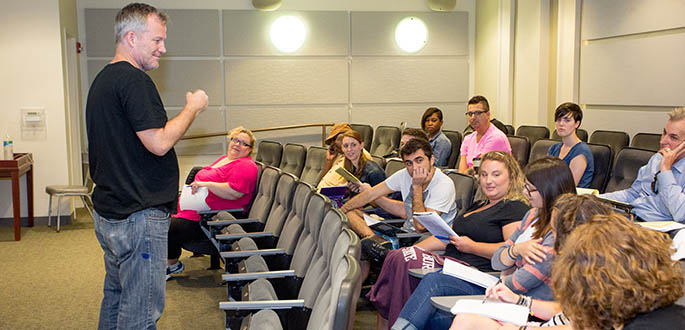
x=230 y=180
x=485 y=138
x=525 y=258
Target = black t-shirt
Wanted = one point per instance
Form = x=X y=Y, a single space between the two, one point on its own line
x=486 y=227
x=123 y=100
x=669 y=317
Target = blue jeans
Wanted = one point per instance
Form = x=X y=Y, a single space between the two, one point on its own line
x=419 y=313
x=135 y=261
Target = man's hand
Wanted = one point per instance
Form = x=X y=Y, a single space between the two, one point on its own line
x=331 y=153
x=670 y=156
x=197 y=101
x=420 y=177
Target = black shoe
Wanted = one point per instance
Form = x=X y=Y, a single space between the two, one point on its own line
x=374 y=249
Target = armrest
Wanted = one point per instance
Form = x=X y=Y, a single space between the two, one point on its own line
x=217 y=211
x=233 y=237
x=420 y=272
x=230 y=222
x=261 y=304
x=261 y=252
x=256 y=275
x=409 y=235
x=242 y=254
x=391 y=221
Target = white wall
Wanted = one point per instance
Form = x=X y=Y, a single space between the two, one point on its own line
x=31 y=71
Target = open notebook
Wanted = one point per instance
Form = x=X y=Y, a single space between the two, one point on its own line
x=500 y=311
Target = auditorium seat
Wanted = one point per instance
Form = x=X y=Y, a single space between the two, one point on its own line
x=293 y=158
x=313 y=165
x=385 y=140
x=628 y=163
x=520 y=149
x=455 y=138
x=393 y=165
x=649 y=141
x=539 y=149
x=603 y=157
x=269 y=153
x=465 y=188
x=366 y=132
x=533 y=133
x=510 y=130
x=617 y=140
x=582 y=135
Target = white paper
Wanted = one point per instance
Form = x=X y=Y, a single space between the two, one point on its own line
x=662 y=226
x=505 y=312
x=195 y=202
x=468 y=274
x=679 y=246
x=370 y=221
x=434 y=224
x=586 y=191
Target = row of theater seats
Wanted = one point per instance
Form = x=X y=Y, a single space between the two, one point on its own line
x=616 y=165
x=292 y=261
x=283 y=271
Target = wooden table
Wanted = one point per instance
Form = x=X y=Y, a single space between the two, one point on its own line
x=22 y=164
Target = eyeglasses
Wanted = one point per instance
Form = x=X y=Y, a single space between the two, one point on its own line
x=237 y=140
x=654 y=186
x=474 y=113
x=530 y=190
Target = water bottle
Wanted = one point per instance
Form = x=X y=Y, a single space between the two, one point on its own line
x=8 y=153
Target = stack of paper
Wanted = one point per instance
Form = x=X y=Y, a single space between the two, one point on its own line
x=196 y=201
x=468 y=274
x=662 y=226
x=434 y=224
x=500 y=311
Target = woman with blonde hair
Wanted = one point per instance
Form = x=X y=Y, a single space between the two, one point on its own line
x=356 y=162
x=481 y=229
x=230 y=180
x=569 y=212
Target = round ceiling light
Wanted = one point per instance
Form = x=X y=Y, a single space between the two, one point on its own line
x=411 y=34
x=288 y=33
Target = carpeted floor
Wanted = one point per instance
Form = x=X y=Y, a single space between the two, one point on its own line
x=52 y=280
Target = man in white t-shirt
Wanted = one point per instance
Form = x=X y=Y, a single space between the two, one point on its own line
x=424 y=188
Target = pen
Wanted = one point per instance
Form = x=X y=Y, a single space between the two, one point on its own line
x=442 y=238
x=486 y=296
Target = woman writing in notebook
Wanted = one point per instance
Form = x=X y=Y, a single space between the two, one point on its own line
x=569 y=211
x=524 y=258
x=481 y=229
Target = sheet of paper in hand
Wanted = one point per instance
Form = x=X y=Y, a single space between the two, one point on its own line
x=196 y=201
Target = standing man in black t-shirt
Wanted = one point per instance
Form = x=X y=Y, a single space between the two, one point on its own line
x=134 y=166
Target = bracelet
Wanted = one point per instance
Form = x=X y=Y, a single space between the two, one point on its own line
x=510 y=254
x=523 y=327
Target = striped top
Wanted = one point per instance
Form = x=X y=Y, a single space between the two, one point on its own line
x=529 y=279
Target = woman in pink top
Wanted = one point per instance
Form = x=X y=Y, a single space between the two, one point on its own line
x=230 y=180
x=485 y=138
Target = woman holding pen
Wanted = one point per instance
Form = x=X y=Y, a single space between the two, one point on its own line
x=569 y=211
x=525 y=258
x=481 y=229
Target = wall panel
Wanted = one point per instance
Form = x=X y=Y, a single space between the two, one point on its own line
x=609 y=18
x=400 y=80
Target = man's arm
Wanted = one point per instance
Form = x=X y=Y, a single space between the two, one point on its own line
x=463 y=168
x=670 y=193
x=366 y=197
x=160 y=140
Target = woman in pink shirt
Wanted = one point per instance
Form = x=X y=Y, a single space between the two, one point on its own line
x=230 y=180
x=485 y=138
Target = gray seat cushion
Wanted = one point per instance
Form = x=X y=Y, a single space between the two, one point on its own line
x=253 y=264
x=244 y=244
x=265 y=319
x=233 y=229
x=223 y=215
x=260 y=289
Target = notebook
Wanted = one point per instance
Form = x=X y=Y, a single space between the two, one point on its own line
x=335 y=193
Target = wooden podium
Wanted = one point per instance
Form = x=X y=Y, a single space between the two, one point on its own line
x=22 y=164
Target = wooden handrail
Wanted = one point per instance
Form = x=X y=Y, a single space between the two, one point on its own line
x=266 y=129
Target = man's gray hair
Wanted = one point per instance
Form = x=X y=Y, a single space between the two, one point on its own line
x=677 y=114
x=133 y=17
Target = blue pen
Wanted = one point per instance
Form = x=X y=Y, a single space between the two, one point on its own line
x=442 y=238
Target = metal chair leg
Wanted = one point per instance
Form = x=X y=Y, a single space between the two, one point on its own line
x=49 y=210
x=59 y=213
x=83 y=199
